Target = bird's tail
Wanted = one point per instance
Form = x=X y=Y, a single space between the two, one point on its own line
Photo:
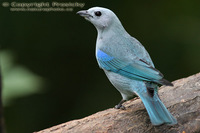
x=157 y=111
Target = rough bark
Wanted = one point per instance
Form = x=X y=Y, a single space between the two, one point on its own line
x=182 y=100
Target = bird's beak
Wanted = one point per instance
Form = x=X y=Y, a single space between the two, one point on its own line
x=84 y=13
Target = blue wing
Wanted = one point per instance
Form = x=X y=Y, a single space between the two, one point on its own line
x=139 y=70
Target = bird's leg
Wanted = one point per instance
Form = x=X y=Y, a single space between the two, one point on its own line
x=120 y=106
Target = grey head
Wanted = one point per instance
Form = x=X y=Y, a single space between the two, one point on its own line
x=100 y=17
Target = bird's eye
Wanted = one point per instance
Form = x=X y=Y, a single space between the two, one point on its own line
x=98 y=13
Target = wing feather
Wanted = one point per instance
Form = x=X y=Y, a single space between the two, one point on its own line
x=139 y=69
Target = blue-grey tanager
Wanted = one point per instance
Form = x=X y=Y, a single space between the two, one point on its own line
x=127 y=64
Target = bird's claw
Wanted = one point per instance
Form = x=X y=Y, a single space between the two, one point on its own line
x=120 y=107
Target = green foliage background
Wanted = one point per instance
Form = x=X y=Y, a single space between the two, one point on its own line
x=50 y=73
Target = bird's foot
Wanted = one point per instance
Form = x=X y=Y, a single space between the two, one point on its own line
x=120 y=107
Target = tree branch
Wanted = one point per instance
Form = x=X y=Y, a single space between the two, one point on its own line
x=2 y=126
x=182 y=100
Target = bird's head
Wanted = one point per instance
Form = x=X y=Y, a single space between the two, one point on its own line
x=99 y=17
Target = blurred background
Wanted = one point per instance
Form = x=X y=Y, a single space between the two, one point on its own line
x=50 y=74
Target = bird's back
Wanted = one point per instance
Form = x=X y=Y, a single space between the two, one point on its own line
x=121 y=45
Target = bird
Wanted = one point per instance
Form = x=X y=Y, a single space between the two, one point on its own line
x=127 y=64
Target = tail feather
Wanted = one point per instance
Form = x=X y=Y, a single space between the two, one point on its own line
x=157 y=111
x=165 y=82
